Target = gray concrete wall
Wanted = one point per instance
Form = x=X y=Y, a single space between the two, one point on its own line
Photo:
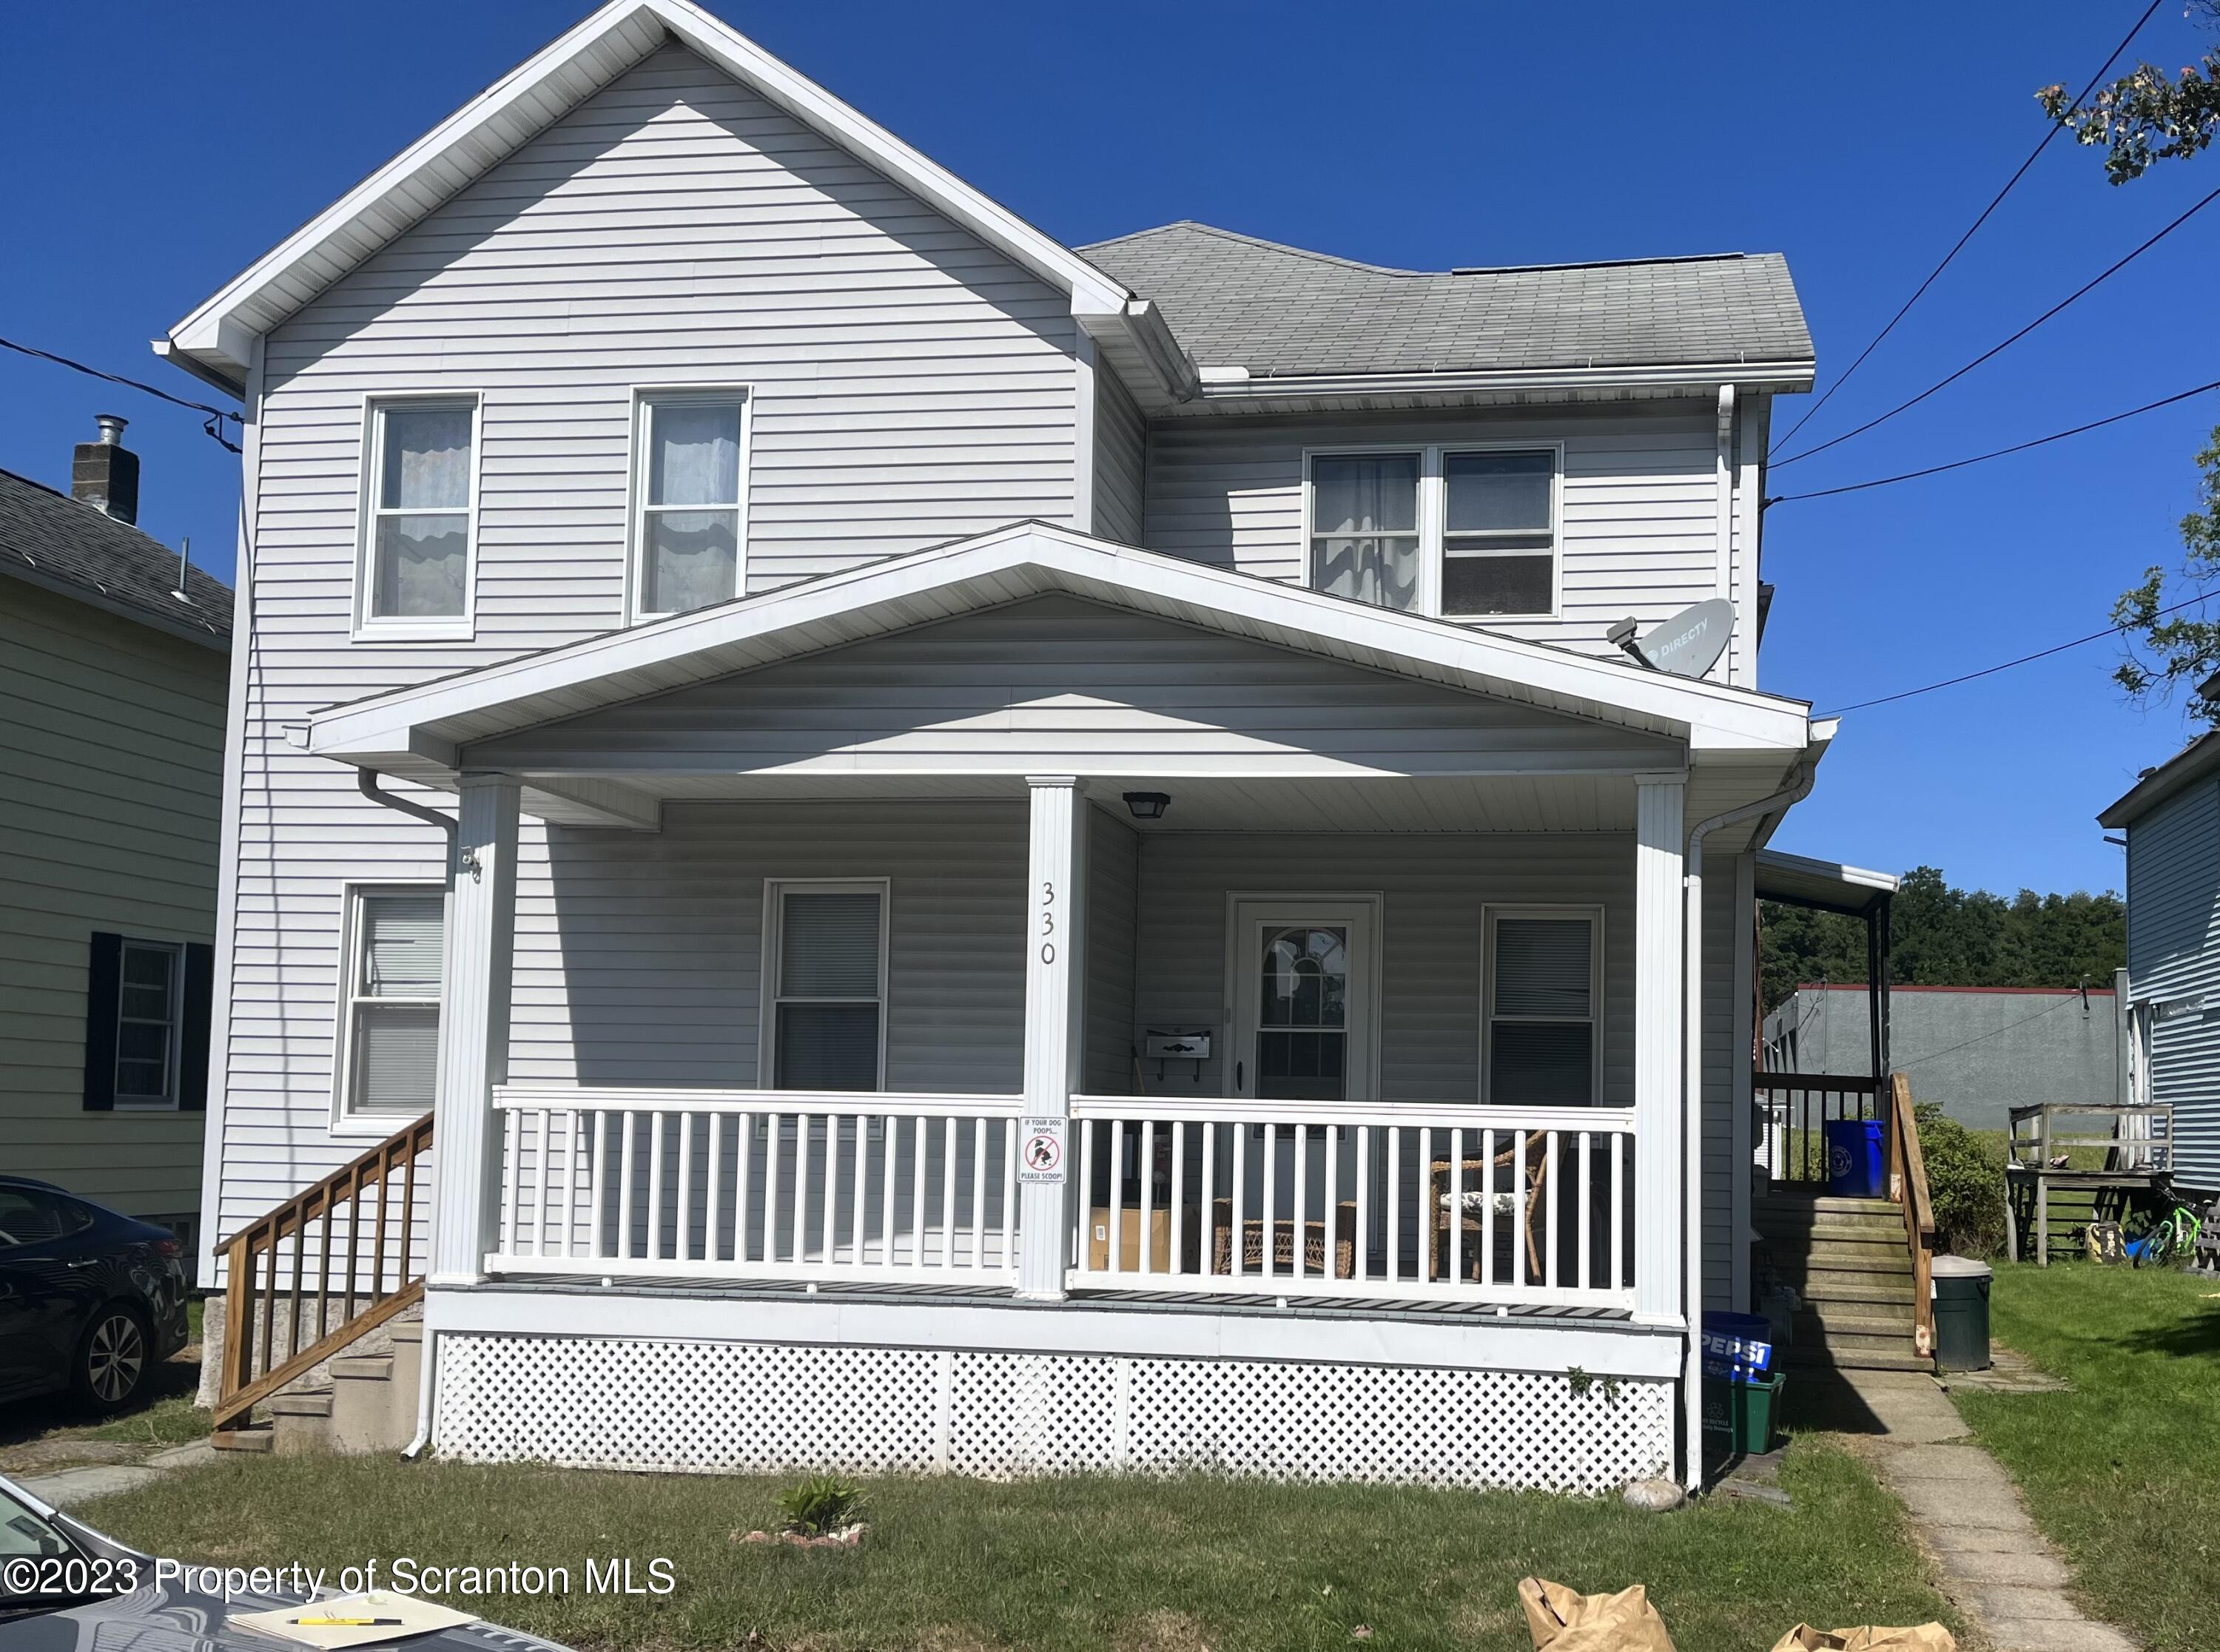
x=1979 y=1051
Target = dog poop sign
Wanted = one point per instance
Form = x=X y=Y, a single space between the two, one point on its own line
x=1040 y=1154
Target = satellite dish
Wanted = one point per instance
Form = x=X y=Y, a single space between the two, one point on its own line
x=1687 y=644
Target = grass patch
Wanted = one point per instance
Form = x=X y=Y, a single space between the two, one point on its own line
x=1173 y=1565
x=173 y=1419
x=2124 y=1472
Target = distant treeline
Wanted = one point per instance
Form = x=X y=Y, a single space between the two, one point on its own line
x=1952 y=938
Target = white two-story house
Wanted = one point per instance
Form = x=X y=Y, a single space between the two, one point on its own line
x=979 y=854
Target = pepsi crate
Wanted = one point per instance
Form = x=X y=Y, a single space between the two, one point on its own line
x=1738 y=1346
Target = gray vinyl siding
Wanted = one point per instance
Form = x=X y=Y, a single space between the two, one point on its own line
x=1055 y=681
x=640 y=957
x=2173 y=953
x=111 y=779
x=1113 y=873
x=1639 y=532
x=910 y=386
x=1120 y=460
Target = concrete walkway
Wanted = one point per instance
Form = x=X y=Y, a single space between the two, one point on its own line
x=68 y=1487
x=1994 y=1564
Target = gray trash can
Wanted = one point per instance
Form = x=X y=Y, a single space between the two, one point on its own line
x=1961 y=1313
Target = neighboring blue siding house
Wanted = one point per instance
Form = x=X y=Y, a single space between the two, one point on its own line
x=2172 y=819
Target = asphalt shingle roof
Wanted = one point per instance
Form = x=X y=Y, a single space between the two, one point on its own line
x=1234 y=300
x=129 y=572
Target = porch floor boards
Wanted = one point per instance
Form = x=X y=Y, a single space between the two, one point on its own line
x=1153 y=1301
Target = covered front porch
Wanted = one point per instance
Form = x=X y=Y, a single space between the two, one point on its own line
x=1055 y=975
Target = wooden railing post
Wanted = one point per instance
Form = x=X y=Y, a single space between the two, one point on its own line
x=1919 y=1214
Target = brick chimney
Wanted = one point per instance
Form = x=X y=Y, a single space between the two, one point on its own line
x=105 y=474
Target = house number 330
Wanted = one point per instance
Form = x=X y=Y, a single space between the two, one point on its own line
x=1048 y=922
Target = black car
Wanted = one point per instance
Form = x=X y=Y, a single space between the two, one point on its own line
x=90 y=1301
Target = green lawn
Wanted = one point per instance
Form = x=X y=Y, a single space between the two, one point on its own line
x=1160 y=1565
x=2124 y=1472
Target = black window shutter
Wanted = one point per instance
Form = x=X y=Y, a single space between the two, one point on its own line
x=101 y=1003
x=193 y=1044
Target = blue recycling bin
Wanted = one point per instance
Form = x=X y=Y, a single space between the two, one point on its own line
x=1855 y=1169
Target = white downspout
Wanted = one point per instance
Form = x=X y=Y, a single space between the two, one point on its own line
x=1691 y=1106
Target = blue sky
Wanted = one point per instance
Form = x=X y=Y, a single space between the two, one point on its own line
x=154 y=150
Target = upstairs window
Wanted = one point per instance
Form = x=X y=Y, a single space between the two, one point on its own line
x=1461 y=533
x=1543 y=992
x=417 y=550
x=693 y=515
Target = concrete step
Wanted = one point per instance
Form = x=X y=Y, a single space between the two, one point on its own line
x=300 y=1422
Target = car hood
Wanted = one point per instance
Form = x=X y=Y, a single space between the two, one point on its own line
x=169 y=1617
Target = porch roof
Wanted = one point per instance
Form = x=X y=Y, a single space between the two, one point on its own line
x=1825 y=885
x=421 y=732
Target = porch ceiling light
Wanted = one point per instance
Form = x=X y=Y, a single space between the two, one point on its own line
x=1148 y=806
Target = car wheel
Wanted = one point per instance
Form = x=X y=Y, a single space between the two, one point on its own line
x=112 y=1358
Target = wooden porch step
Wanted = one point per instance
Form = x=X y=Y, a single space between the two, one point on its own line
x=1838 y=1291
x=1836 y=1234
x=1854 y=1359
x=1788 y=1224
x=1836 y=1331
x=253 y=1436
x=1830 y=1204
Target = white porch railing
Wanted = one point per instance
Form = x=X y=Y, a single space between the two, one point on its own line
x=1434 y=1202
x=757 y=1184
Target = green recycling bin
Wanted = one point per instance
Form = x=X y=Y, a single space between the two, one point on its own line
x=1961 y=1313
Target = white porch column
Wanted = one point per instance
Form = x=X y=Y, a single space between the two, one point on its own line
x=1056 y=973
x=1658 y=962
x=474 y=1030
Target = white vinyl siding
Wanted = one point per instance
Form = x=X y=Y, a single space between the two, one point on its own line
x=2173 y=953
x=908 y=386
x=111 y=757
x=1637 y=519
x=1120 y=456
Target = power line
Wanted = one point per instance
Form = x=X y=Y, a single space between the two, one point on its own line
x=2001 y=452
x=1952 y=682
x=216 y=415
x=2080 y=292
x=2051 y=132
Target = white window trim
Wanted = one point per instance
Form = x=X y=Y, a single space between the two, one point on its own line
x=1489 y=916
x=775 y=889
x=174 y=1062
x=645 y=398
x=346 y=1121
x=367 y=627
x=1433 y=516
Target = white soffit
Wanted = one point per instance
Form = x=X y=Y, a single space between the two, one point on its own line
x=217 y=337
x=430 y=722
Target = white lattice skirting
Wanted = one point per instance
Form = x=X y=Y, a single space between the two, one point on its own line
x=727 y=1406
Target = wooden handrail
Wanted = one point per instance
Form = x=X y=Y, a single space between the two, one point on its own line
x=253 y=1289
x=1849 y=1083
x=1908 y=1168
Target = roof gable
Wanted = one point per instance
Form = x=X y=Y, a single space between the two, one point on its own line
x=429 y=724
x=216 y=340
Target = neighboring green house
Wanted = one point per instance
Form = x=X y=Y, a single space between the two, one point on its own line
x=113 y=683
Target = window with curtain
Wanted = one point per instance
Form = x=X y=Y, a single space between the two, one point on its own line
x=1465 y=534
x=1542 y=1016
x=828 y=1007
x=691 y=501
x=419 y=548
x=1364 y=527
x=1499 y=539
x=397 y=940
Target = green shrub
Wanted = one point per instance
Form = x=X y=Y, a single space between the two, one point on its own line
x=1965 y=1181
x=820 y=1504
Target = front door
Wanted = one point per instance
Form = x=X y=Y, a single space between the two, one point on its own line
x=1305 y=985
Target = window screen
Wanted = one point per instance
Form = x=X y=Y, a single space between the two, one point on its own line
x=394 y=1014
x=826 y=1031
x=1498 y=540
x=1542 y=1021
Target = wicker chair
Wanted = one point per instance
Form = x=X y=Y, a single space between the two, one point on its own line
x=1536 y=1172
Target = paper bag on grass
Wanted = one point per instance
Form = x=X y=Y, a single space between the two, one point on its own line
x=1927 y=1637
x=1565 y=1620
